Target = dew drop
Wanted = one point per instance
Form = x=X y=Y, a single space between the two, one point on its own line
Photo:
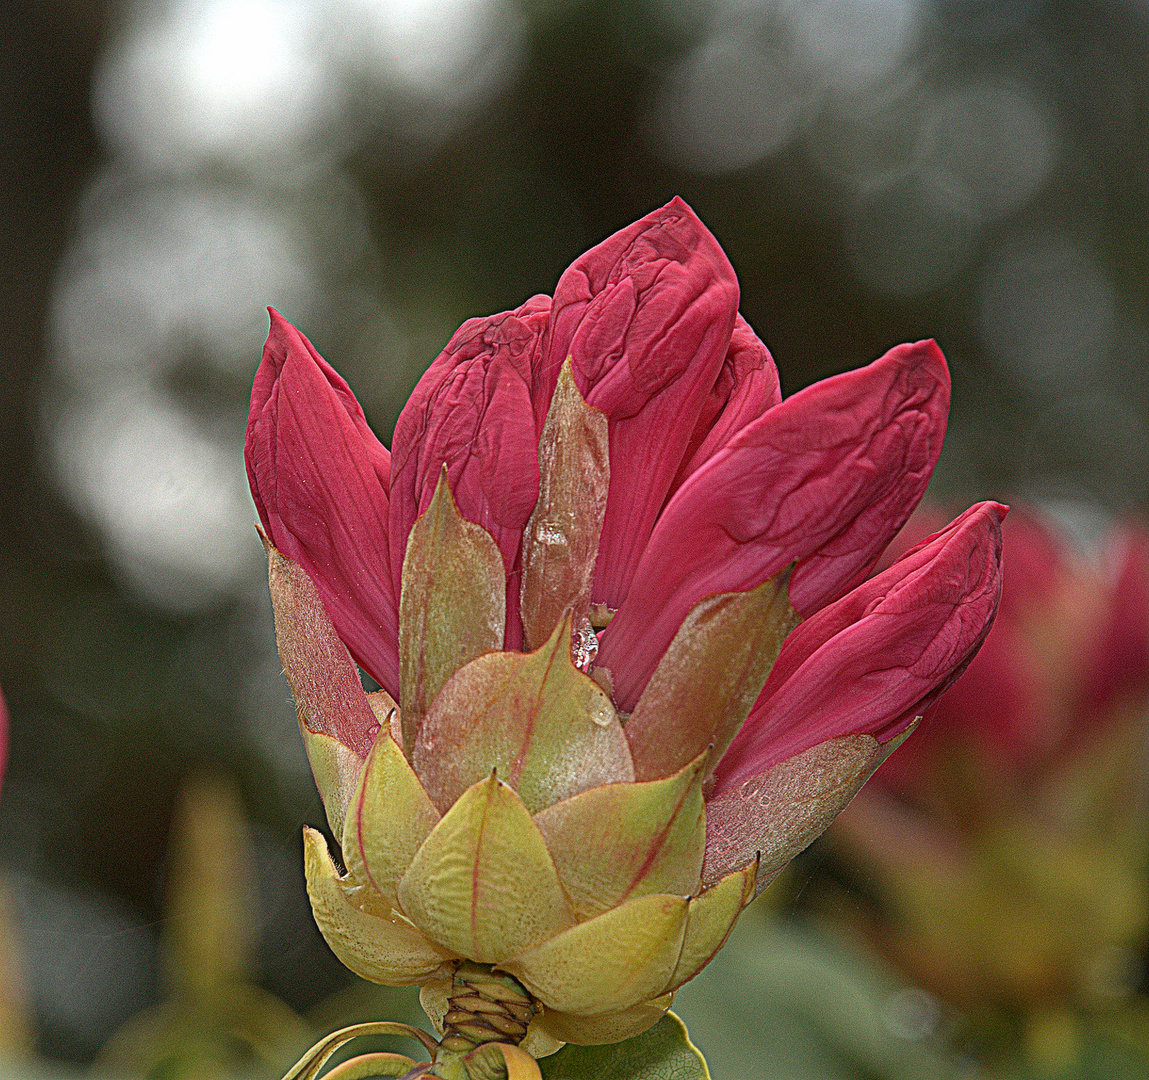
x=584 y=646
x=602 y=715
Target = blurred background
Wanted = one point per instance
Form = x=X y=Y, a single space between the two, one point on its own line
x=380 y=170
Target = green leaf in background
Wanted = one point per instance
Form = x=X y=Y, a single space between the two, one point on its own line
x=785 y=1002
x=665 y=1052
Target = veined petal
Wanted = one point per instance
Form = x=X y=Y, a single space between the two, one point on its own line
x=389 y=819
x=709 y=920
x=996 y=708
x=776 y=813
x=646 y=318
x=562 y=536
x=922 y=402
x=608 y=963
x=337 y=771
x=709 y=678
x=483 y=884
x=319 y=478
x=472 y=412
x=747 y=386
x=617 y=841
x=372 y=940
x=823 y=479
x=878 y=657
x=328 y=694
x=548 y=729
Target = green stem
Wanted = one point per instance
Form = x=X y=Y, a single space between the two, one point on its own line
x=484 y=1007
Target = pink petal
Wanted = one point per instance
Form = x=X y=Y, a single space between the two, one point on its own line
x=838 y=565
x=872 y=661
x=1000 y=710
x=1062 y=651
x=1118 y=664
x=319 y=479
x=747 y=386
x=472 y=411
x=825 y=478
x=646 y=317
x=992 y=713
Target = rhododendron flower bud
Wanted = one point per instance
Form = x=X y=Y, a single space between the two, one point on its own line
x=614 y=590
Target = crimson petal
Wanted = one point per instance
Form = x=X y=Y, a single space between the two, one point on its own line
x=646 y=318
x=747 y=386
x=872 y=661
x=825 y=479
x=319 y=479
x=472 y=412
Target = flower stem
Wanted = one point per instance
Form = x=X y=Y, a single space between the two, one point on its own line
x=485 y=1007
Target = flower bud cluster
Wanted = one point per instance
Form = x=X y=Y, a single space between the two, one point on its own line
x=616 y=592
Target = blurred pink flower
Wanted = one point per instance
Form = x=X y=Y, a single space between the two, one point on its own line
x=1006 y=843
x=1069 y=646
x=716 y=486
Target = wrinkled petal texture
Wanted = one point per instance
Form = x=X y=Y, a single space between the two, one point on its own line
x=646 y=317
x=1069 y=645
x=872 y=661
x=823 y=479
x=472 y=412
x=995 y=709
x=746 y=387
x=319 y=478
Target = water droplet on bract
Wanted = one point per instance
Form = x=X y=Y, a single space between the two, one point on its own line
x=602 y=715
x=373 y=731
x=584 y=646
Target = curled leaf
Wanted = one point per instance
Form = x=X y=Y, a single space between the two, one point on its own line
x=663 y=1052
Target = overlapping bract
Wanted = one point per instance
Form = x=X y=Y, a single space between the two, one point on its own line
x=579 y=573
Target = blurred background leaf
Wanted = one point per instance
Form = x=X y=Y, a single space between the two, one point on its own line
x=787 y=1002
